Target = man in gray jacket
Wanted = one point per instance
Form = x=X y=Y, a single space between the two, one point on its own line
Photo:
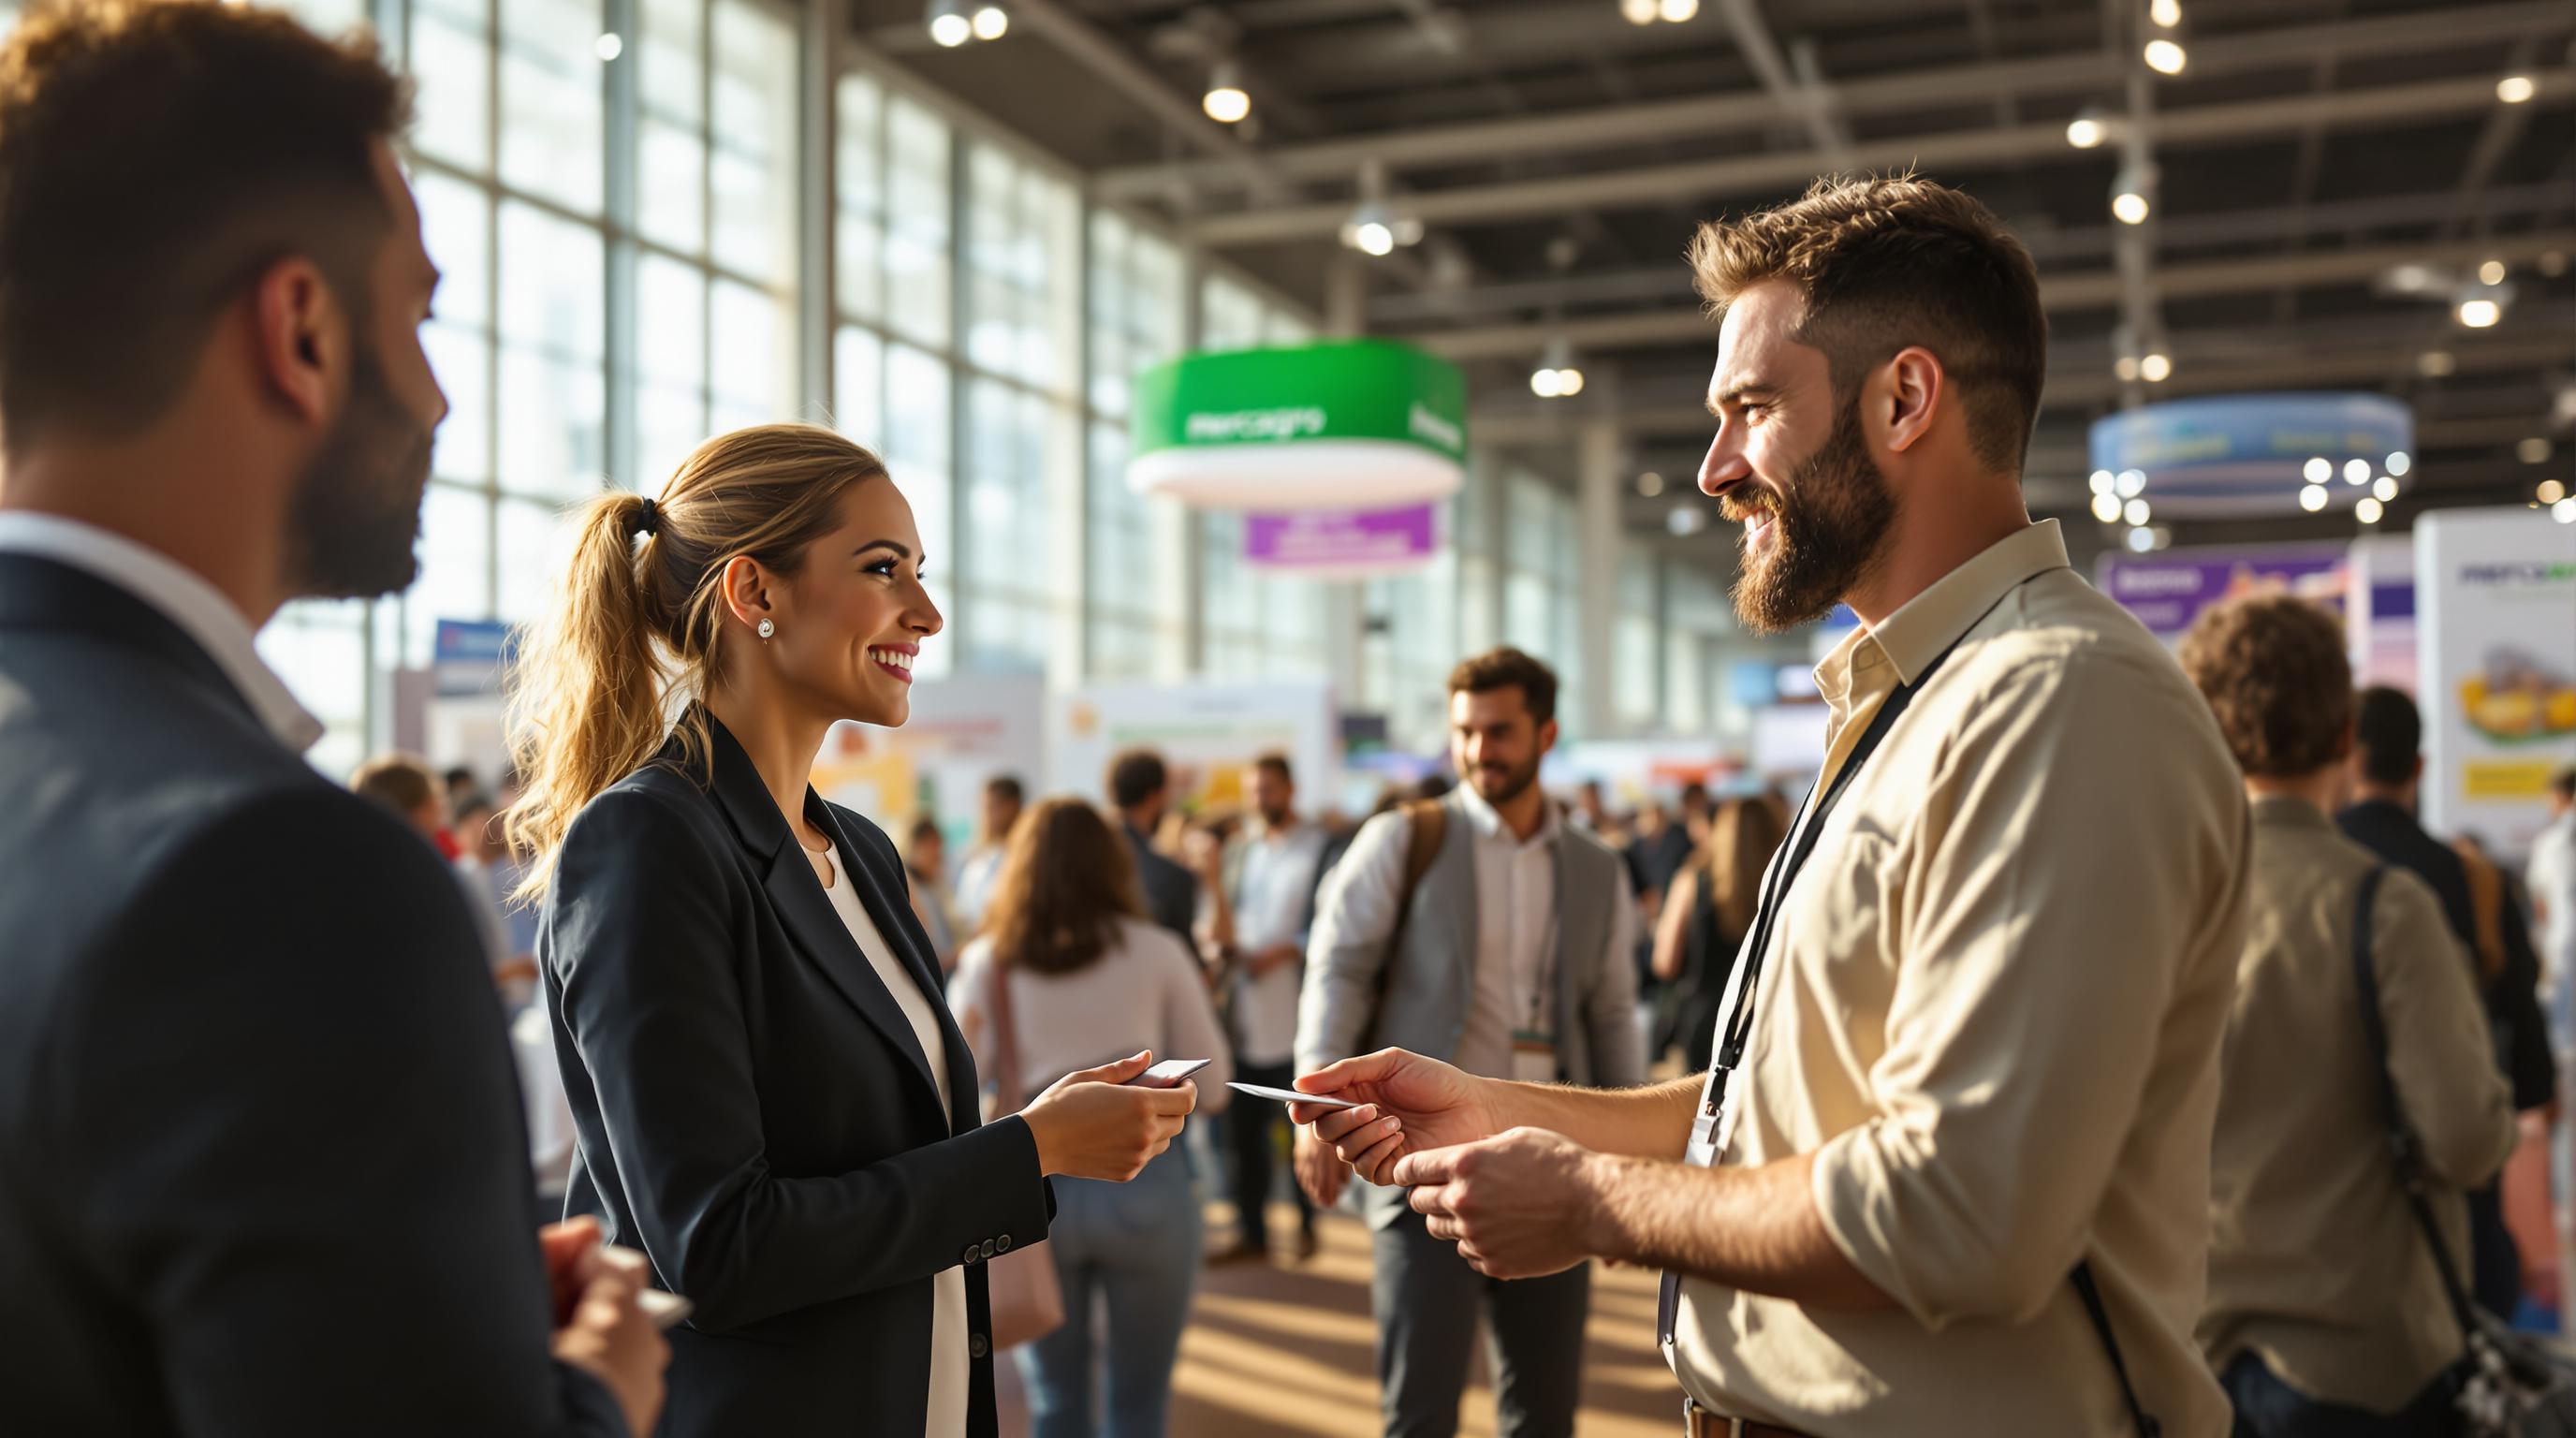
x=1484 y=929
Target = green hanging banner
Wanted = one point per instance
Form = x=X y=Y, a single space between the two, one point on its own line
x=1347 y=424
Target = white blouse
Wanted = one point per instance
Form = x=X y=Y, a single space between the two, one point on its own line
x=950 y=1370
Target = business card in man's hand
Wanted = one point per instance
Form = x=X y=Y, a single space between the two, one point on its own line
x=1292 y=1096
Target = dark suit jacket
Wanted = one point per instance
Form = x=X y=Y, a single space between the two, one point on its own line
x=2520 y=1031
x=1171 y=892
x=263 y=1169
x=755 y=1114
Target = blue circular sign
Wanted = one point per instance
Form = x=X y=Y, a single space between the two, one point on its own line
x=2255 y=454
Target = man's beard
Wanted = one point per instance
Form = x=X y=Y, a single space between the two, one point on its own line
x=1829 y=531
x=1277 y=818
x=356 y=511
x=1503 y=788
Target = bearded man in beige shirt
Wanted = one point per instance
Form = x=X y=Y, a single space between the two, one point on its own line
x=1950 y=1174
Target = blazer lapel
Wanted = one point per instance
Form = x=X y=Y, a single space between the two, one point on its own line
x=803 y=908
x=892 y=913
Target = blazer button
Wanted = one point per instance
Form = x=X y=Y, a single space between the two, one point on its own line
x=976 y=1347
x=1004 y=1243
x=974 y=1252
x=989 y=1248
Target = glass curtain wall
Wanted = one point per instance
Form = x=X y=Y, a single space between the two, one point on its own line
x=1136 y=319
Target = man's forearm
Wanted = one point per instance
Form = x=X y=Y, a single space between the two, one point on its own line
x=1756 y=1229
x=1650 y=1122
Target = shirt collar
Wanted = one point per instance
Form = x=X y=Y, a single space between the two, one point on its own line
x=2282 y=811
x=1490 y=824
x=180 y=595
x=1925 y=627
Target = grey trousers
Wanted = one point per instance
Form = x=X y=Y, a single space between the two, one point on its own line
x=1427 y=1300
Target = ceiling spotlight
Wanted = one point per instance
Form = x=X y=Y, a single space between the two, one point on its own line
x=1676 y=12
x=1686 y=520
x=1650 y=484
x=2564 y=511
x=1557 y=375
x=2106 y=508
x=2132 y=196
x=2136 y=511
x=2126 y=367
x=2131 y=483
x=2356 y=471
x=2102 y=481
x=2317 y=470
x=2088 y=128
x=2480 y=314
x=2165 y=13
x=2534 y=450
x=2312 y=498
x=609 y=46
x=2165 y=57
x=2399 y=461
x=2156 y=368
x=1637 y=12
x=949 y=25
x=2384 y=490
x=2551 y=491
x=2140 y=539
x=2435 y=364
x=2516 y=89
x=992 y=22
x=2368 y=511
x=1225 y=102
x=2491 y=273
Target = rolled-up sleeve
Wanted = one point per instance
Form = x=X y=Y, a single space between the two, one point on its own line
x=2045 y=907
x=1355 y=916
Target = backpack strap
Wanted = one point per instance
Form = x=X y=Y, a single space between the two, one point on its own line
x=1426 y=829
x=2091 y=1293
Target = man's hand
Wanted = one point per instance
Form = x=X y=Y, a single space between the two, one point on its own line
x=1320 y=1171
x=607 y=1334
x=1408 y=1103
x=1518 y=1206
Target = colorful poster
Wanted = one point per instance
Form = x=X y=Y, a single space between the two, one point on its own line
x=2496 y=654
x=2167 y=591
x=964 y=730
x=1343 y=544
x=1207 y=733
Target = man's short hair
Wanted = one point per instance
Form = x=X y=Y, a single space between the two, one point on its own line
x=2389 y=732
x=1276 y=764
x=1509 y=668
x=397 y=781
x=1883 y=263
x=1006 y=786
x=2563 y=784
x=1136 y=776
x=2273 y=670
x=155 y=157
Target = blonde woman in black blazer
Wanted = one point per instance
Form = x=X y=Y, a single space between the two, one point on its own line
x=772 y=1100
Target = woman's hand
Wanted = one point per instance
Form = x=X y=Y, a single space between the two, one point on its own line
x=1090 y=1124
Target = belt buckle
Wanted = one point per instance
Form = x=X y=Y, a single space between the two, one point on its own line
x=1692 y=1414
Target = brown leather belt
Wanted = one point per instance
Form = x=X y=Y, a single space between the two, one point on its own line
x=1698 y=1422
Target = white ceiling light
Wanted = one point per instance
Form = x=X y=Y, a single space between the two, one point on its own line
x=2534 y=450
x=2399 y=461
x=2126 y=367
x=609 y=46
x=2133 y=195
x=2491 y=273
x=2551 y=491
x=2313 y=498
x=1650 y=484
x=1637 y=12
x=2317 y=470
x=2480 y=314
x=2106 y=508
x=2384 y=490
x=2131 y=483
x=2156 y=368
x=2103 y=480
x=2136 y=511
x=1686 y=520
x=2516 y=89
x=2356 y=471
x=992 y=22
x=2141 y=540
x=2564 y=511
x=1225 y=101
x=2368 y=511
x=2435 y=364
x=1677 y=12
x=2165 y=13
x=2166 y=57
x=2088 y=128
x=949 y=25
x=1557 y=375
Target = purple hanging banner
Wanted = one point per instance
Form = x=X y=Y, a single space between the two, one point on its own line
x=2167 y=591
x=1342 y=544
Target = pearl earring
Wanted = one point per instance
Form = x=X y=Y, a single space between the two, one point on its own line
x=767 y=629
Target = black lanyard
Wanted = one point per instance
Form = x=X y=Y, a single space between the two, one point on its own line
x=1802 y=843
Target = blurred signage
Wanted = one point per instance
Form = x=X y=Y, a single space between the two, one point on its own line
x=1342 y=425
x=467 y=656
x=2252 y=453
x=2167 y=591
x=2496 y=657
x=1343 y=544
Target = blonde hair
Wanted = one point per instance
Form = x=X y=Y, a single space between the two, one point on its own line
x=638 y=615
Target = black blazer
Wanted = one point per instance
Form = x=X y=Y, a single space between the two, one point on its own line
x=263 y=1170
x=755 y=1114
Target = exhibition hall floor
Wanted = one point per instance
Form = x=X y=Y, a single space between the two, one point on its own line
x=1285 y=1352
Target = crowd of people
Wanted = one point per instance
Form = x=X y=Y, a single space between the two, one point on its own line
x=2099 y=1046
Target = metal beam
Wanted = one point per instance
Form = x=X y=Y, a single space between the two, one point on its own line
x=1770 y=173
x=1810 y=104
x=2075 y=73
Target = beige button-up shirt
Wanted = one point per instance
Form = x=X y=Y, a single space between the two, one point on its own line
x=2315 y=1262
x=1992 y=1009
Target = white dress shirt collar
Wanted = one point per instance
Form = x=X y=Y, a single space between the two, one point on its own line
x=1489 y=823
x=178 y=594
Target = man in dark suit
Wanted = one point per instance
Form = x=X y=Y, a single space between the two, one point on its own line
x=262 y=1169
x=1140 y=788
x=2387 y=775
